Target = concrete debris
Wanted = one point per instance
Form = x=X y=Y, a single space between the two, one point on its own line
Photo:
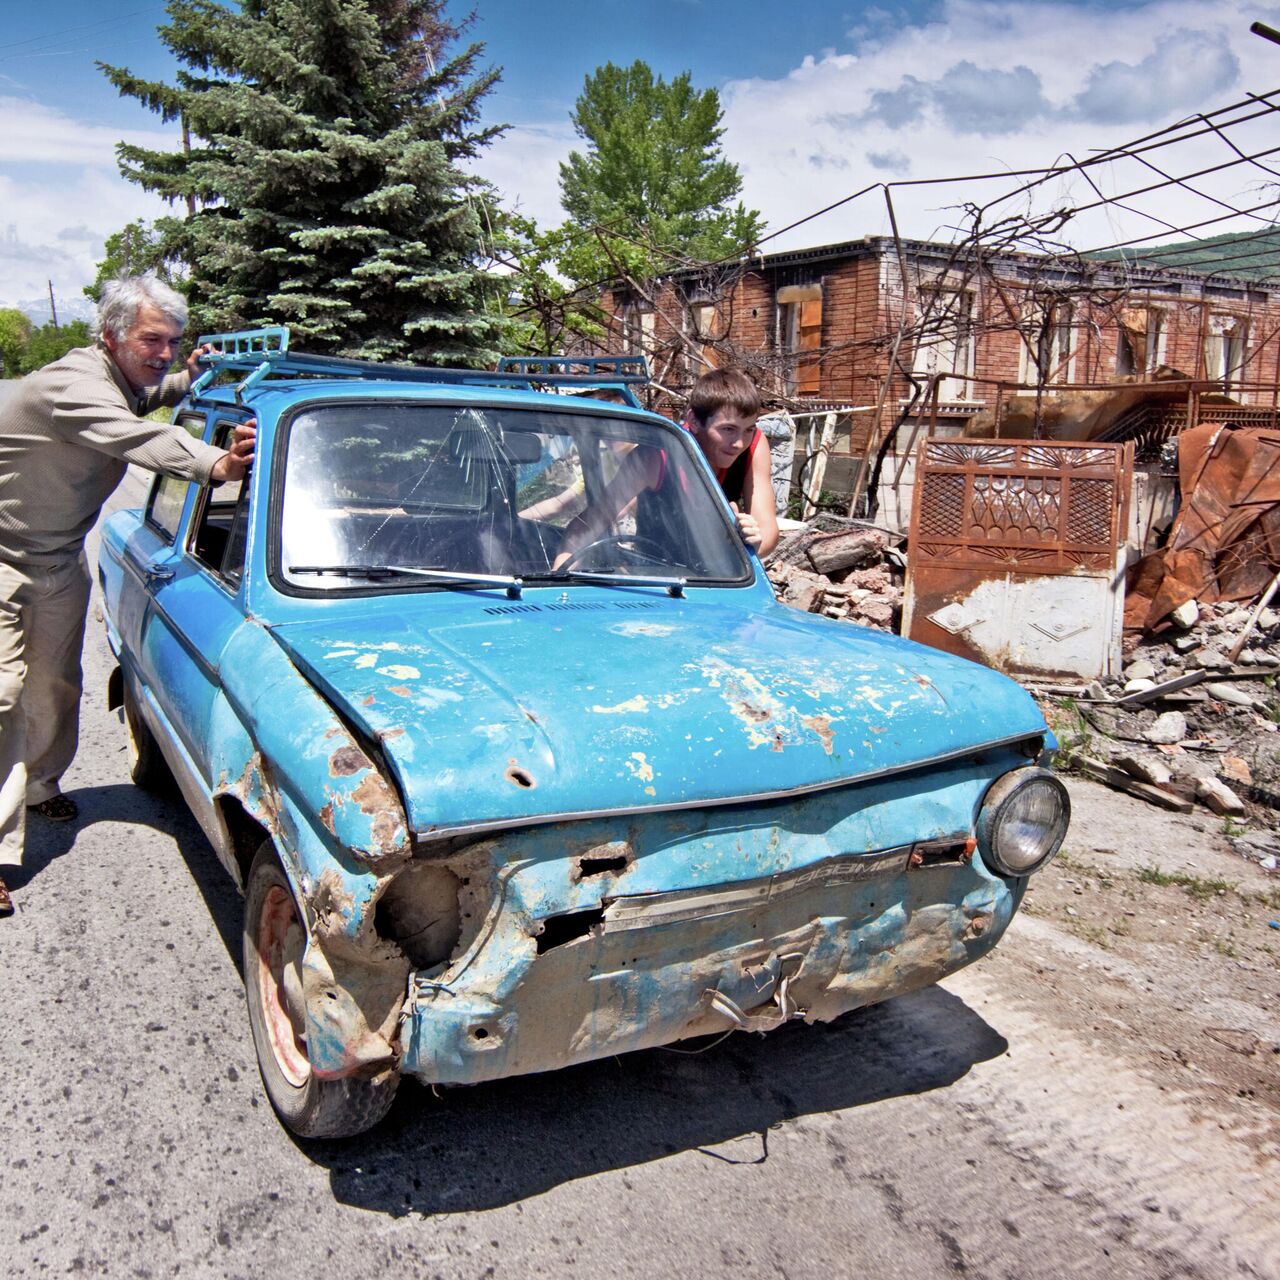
x=1219 y=797
x=842 y=569
x=1168 y=728
x=1146 y=769
x=1186 y=615
x=1184 y=725
x=1229 y=693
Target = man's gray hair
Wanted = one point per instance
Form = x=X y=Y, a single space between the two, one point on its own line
x=122 y=297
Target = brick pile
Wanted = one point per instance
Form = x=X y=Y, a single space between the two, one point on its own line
x=842 y=569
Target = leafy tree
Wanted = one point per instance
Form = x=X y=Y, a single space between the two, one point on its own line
x=51 y=342
x=651 y=192
x=137 y=247
x=15 y=334
x=323 y=141
x=548 y=313
x=652 y=187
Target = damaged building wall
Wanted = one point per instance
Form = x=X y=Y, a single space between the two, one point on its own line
x=981 y=326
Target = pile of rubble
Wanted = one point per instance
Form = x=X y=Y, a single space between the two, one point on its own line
x=1192 y=720
x=842 y=569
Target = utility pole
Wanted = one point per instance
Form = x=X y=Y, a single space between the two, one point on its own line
x=53 y=310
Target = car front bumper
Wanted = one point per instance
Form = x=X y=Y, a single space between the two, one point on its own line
x=560 y=970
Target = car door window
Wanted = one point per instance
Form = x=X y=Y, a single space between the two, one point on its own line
x=220 y=531
x=168 y=493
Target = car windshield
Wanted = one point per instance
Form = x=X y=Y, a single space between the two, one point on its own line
x=374 y=487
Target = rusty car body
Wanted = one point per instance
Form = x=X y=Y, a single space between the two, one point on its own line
x=496 y=813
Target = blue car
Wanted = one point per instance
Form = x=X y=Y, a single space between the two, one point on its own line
x=497 y=807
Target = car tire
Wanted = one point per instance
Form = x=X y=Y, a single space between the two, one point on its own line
x=274 y=941
x=147 y=766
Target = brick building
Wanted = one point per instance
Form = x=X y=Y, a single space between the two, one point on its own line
x=922 y=335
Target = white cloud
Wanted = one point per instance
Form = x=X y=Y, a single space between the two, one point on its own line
x=54 y=230
x=61 y=195
x=524 y=165
x=1007 y=86
x=1185 y=70
x=31 y=133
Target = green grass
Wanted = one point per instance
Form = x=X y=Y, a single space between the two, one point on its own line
x=1074 y=732
x=1196 y=886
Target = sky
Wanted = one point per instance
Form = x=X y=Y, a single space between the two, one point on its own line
x=820 y=100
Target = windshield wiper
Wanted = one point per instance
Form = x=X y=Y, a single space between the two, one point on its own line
x=675 y=586
x=379 y=572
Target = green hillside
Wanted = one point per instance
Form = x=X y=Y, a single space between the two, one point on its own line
x=1250 y=255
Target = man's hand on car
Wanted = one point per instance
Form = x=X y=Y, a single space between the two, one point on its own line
x=193 y=360
x=235 y=463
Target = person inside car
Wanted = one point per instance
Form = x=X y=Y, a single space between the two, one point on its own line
x=723 y=407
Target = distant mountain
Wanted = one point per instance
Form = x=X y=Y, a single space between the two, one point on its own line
x=1246 y=255
x=69 y=308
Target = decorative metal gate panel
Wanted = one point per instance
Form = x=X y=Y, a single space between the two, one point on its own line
x=1016 y=556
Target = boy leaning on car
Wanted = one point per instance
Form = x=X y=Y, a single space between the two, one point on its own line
x=67 y=434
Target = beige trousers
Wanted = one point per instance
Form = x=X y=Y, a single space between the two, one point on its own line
x=42 y=617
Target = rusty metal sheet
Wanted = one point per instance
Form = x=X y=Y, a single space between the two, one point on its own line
x=1016 y=554
x=1225 y=542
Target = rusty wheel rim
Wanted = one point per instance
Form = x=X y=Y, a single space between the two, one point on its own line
x=280 y=946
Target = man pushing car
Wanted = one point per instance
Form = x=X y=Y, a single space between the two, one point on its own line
x=67 y=434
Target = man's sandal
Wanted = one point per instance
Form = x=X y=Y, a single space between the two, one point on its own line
x=6 y=902
x=57 y=808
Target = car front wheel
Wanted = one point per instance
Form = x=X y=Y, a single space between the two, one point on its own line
x=274 y=942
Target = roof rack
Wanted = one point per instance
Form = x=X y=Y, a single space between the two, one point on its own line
x=609 y=368
x=261 y=353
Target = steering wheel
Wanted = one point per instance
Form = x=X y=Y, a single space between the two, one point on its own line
x=641 y=547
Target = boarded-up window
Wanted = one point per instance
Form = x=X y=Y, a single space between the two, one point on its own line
x=1139 y=341
x=800 y=325
x=703 y=328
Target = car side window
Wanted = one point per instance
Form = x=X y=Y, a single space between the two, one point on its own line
x=220 y=532
x=168 y=493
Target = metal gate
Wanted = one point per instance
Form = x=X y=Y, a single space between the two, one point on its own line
x=1016 y=556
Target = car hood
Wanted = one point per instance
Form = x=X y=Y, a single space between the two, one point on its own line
x=495 y=715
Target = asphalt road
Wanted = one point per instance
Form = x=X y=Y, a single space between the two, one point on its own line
x=946 y=1133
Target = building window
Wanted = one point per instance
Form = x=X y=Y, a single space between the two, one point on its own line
x=636 y=319
x=800 y=338
x=1224 y=350
x=1049 y=347
x=1139 y=341
x=944 y=345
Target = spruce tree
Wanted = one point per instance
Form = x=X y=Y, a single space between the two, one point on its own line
x=321 y=174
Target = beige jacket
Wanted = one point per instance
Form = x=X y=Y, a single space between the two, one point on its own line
x=67 y=434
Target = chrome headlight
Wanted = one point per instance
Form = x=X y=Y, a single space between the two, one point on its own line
x=1023 y=821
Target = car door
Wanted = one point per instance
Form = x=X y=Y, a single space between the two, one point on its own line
x=192 y=608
